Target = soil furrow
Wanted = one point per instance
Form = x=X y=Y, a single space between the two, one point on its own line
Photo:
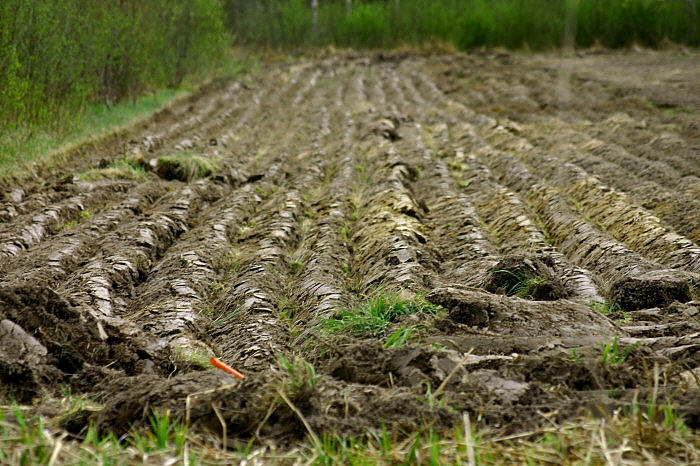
x=251 y=330
x=126 y=256
x=466 y=250
x=53 y=260
x=176 y=301
x=25 y=232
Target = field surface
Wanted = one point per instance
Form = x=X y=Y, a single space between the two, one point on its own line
x=529 y=223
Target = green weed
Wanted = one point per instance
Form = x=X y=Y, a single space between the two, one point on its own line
x=608 y=307
x=300 y=377
x=575 y=356
x=522 y=286
x=613 y=354
x=399 y=337
x=373 y=317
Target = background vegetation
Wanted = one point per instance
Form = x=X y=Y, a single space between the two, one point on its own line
x=464 y=23
x=57 y=57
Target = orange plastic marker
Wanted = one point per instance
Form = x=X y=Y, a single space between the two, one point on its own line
x=225 y=367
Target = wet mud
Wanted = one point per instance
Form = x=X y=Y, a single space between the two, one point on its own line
x=546 y=206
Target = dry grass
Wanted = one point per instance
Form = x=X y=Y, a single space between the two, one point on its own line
x=650 y=435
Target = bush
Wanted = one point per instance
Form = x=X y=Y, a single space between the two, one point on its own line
x=58 y=56
x=464 y=23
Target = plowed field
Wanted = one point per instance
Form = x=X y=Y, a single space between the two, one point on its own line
x=541 y=214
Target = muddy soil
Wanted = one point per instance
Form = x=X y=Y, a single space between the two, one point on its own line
x=549 y=205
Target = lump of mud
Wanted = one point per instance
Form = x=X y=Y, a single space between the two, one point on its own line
x=461 y=307
x=529 y=277
x=185 y=167
x=519 y=317
x=45 y=341
x=657 y=288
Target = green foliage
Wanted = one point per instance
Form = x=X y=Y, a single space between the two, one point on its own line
x=58 y=57
x=464 y=23
x=399 y=337
x=613 y=354
x=373 y=317
x=522 y=286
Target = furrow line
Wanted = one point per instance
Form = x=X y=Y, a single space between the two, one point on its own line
x=205 y=111
x=627 y=278
x=388 y=243
x=250 y=329
x=466 y=250
x=53 y=260
x=24 y=232
x=671 y=249
x=507 y=214
x=174 y=302
x=107 y=282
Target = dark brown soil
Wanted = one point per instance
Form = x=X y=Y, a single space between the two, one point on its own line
x=549 y=205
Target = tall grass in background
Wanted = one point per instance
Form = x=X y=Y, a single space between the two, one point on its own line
x=58 y=57
x=538 y=24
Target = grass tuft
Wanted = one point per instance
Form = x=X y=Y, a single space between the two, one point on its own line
x=373 y=317
x=186 y=166
x=520 y=285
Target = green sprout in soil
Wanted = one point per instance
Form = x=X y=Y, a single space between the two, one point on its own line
x=575 y=356
x=373 y=317
x=612 y=353
x=400 y=337
x=608 y=307
x=300 y=377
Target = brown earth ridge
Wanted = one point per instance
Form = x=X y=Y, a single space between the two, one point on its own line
x=444 y=177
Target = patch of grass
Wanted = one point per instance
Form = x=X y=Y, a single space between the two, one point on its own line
x=126 y=168
x=301 y=376
x=456 y=166
x=400 y=337
x=346 y=232
x=522 y=286
x=648 y=433
x=373 y=317
x=575 y=356
x=186 y=166
x=608 y=307
x=191 y=358
x=22 y=148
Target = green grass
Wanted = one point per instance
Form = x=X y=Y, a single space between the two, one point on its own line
x=22 y=147
x=519 y=285
x=539 y=24
x=608 y=307
x=613 y=353
x=374 y=316
x=648 y=433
